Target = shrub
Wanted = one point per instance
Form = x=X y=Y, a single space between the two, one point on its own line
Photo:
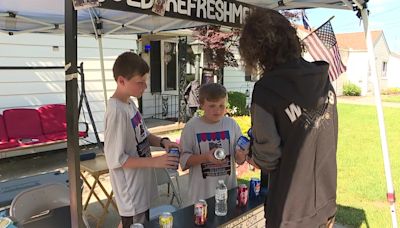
x=390 y=91
x=237 y=104
x=351 y=89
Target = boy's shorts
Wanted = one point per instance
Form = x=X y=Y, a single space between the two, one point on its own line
x=139 y=218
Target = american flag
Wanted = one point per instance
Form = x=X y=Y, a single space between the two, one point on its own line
x=322 y=45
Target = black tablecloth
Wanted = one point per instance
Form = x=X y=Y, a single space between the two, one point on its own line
x=184 y=217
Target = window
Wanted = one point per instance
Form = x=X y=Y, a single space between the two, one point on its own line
x=170 y=62
x=384 y=69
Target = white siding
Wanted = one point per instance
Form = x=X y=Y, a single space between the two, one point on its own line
x=32 y=88
x=234 y=80
x=393 y=71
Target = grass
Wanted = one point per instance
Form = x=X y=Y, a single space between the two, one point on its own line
x=391 y=98
x=361 y=193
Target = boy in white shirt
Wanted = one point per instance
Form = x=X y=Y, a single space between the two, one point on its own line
x=127 y=143
x=199 y=139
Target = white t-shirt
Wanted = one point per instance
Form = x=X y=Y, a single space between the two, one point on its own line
x=200 y=137
x=126 y=136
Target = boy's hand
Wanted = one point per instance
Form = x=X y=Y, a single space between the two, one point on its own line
x=211 y=159
x=166 y=161
x=168 y=144
x=240 y=155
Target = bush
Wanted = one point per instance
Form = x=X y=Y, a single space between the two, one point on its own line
x=237 y=104
x=390 y=91
x=351 y=89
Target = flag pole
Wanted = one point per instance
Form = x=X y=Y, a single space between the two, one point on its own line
x=319 y=27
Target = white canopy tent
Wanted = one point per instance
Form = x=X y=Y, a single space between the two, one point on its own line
x=136 y=17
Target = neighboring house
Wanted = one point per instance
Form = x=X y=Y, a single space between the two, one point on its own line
x=354 y=54
x=393 y=70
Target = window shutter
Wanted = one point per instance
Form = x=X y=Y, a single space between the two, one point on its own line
x=155 y=66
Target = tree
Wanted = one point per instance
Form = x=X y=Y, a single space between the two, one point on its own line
x=218 y=47
x=220 y=43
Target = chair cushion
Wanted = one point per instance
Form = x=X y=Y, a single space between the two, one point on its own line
x=3 y=132
x=53 y=118
x=7 y=145
x=22 y=123
x=57 y=136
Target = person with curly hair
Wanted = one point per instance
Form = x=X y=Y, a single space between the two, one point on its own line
x=294 y=123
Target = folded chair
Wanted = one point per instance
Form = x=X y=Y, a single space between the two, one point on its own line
x=38 y=201
x=163 y=177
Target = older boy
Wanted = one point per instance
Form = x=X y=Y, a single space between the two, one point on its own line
x=127 y=143
x=199 y=139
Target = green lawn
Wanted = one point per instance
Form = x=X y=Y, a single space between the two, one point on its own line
x=391 y=98
x=361 y=194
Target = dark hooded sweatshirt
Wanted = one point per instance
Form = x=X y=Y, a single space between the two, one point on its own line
x=301 y=101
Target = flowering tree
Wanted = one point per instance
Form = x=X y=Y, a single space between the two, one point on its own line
x=219 y=43
x=218 y=47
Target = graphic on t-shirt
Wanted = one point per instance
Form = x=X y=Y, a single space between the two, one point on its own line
x=138 y=123
x=210 y=140
x=143 y=144
x=143 y=148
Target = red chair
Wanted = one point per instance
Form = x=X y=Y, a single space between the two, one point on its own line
x=23 y=126
x=4 y=141
x=54 y=122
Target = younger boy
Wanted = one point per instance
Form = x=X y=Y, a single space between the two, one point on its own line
x=199 y=139
x=127 y=143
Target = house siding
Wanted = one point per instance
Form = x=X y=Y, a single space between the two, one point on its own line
x=33 y=88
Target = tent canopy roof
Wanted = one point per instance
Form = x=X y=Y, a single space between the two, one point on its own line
x=48 y=15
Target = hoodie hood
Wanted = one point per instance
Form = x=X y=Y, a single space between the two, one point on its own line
x=299 y=81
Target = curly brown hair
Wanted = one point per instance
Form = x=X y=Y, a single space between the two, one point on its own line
x=267 y=40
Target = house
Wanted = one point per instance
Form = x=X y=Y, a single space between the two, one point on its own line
x=354 y=55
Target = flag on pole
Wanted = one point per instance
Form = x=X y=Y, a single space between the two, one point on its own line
x=322 y=45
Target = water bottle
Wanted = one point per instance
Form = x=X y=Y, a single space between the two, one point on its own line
x=221 y=199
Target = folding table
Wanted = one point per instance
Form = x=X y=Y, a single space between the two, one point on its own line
x=95 y=168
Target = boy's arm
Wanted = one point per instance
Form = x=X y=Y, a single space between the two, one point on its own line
x=240 y=155
x=161 y=142
x=164 y=161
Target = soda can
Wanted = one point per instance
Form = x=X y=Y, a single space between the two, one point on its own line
x=219 y=154
x=200 y=213
x=250 y=133
x=175 y=152
x=137 y=225
x=243 y=143
x=242 y=195
x=255 y=185
x=166 y=220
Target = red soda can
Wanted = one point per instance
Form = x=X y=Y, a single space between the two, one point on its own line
x=242 y=195
x=200 y=213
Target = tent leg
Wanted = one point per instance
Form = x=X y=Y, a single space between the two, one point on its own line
x=379 y=110
x=103 y=74
x=71 y=90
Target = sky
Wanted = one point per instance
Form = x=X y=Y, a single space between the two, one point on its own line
x=384 y=15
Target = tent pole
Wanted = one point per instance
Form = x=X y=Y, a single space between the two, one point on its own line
x=378 y=103
x=71 y=91
x=103 y=74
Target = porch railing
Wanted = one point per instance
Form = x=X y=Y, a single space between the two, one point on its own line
x=166 y=107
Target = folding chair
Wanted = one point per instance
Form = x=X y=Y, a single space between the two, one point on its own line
x=163 y=177
x=37 y=201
